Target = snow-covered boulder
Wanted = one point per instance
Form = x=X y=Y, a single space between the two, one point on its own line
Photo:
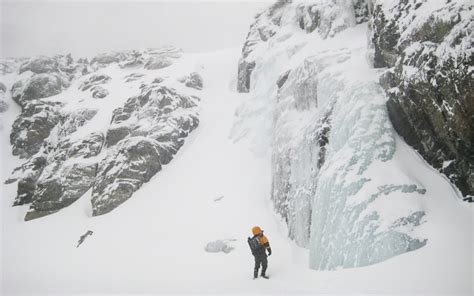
x=58 y=175
x=38 y=86
x=39 y=64
x=107 y=58
x=193 y=80
x=428 y=49
x=71 y=121
x=93 y=80
x=47 y=179
x=220 y=245
x=98 y=92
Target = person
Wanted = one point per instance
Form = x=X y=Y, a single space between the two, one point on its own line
x=83 y=237
x=259 y=246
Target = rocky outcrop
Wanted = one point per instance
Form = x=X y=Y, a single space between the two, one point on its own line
x=98 y=92
x=160 y=58
x=94 y=80
x=150 y=59
x=133 y=77
x=193 y=80
x=44 y=64
x=130 y=164
x=94 y=84
x=27 y=175
x=144 y=135
x=107 y=58
x=65 y=158
x=33 y=126
x=48 y=166
x=429 y=81
x=39 y=64
x=38 y=86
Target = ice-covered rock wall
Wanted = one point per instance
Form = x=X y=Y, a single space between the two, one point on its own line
x=428 y=48
x=109 y=124
x=316 y=105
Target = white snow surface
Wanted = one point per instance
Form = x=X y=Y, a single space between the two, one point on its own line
x=155 y=242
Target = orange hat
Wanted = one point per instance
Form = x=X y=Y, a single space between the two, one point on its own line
x=256 y=230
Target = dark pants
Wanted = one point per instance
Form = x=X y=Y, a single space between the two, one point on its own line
x=260 y=260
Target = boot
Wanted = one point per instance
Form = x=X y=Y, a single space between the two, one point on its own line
x=264 y=276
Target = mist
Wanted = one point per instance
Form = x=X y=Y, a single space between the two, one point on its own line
x=88 y=28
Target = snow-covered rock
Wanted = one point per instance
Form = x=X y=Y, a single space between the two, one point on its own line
x=193 y=80
x=144 y=135
x=69 y=148
x=427 y=46
x=38 y=86
x=220 y=245
x=3 y=105
x=33 y=126
x=94 y=80
x=39 y=64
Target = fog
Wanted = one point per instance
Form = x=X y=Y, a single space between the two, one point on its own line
x=87 y=28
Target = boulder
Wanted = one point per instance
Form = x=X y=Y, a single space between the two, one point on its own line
x=193 y=80
x=98 y=92
x=40 y=64
x=38 y=86
x=27 y=175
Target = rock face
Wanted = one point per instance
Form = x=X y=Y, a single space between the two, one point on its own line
x=144 y=135
x=69 y=148
x=37 y=87
x=33 y=126
x=429 y=81
x=57 y=174
x=329 y=133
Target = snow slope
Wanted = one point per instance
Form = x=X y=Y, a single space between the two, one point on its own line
x=155 y=242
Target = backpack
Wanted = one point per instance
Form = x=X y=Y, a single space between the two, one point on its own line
x=254 y=244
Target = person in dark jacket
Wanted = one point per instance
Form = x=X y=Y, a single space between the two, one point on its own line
x=260 y=254
x=83 y=237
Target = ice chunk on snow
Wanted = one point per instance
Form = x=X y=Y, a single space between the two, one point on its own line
x=220 y=246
